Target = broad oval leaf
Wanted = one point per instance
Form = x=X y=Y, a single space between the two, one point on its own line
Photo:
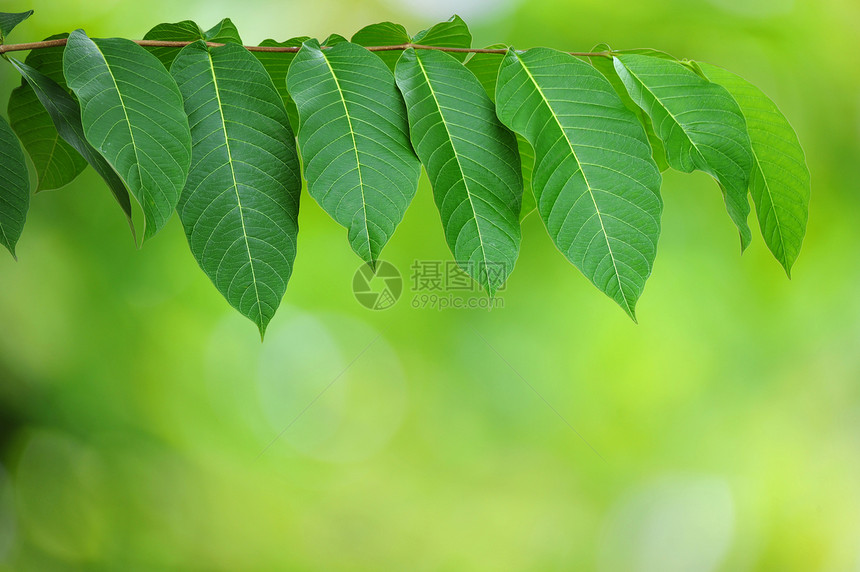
x=779 y=184
x=383 y=34
x=453 y=33
x=224 y=32
x=472 y=161
x=14 y=188
x=132 y=114
x=56 y=162
x=354 y=140
x=700 y=124
x=65 y=113
x=241 y=202
x=277 y=64
x=596 y=185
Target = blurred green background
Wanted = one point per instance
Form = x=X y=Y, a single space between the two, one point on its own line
x=143 y=426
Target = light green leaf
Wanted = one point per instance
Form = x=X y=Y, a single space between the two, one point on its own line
x=8 y=21
x=224 y=32
x=485 y=67
x=383 y=34
x=354 y=140
x=453 y=33
x=241 y=202
x=700 y=124
x=57 y=163
x=471 y=159
x=14 y=188
x=65 y=113
x=596 y=185
x=779 y=184
x=277 y=64
x=132 y=114
x=606 y=66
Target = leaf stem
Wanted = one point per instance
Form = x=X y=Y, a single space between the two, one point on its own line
x=166 y=44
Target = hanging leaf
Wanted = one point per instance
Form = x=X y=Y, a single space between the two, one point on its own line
x=471 y=159
x=277 y=64
x=606 y=66
x=700 y=124
x=779 y=184
x=14 y=188
x=132 y=114
x=56 y=162
x=224 y=32
x=485 y=67
x=596 y=185
x=8 y=21
x=65 y=113
x=240 y=204
x=354 y=139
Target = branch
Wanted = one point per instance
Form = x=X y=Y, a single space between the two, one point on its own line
x=165 y=44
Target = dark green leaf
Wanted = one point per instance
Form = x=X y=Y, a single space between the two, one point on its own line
x=471 y=159
x=596 y=185
x=241 y=202
x=383 y=34
x=277 y=64
x=700 y=124
x=66 y=116
x=333 y=40
x=224 y=32
x=8 y=21
x=354 y=139
x=453 y=33
x=56 y=162
x=527 y=166
x=779 y=184
x=132 y=114
x=14 y=188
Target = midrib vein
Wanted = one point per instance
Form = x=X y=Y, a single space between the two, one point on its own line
x=587 y=184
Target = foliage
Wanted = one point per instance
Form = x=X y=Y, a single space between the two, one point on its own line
x=192 y=121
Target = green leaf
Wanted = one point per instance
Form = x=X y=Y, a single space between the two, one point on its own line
x=354 y=139
x=485 y=67
x=333 y=40
x=241 y=202
x=224 y=32
x=453 y=33
x=8 y=21
x=596 y=185
x=606 y=66
x=700 y=124
x=65 y=113
x=277 y=64
x=132 y=114
x=779 y=184
x=14 y=188
x=383 y=34
x=57 y=163
x=471 y=159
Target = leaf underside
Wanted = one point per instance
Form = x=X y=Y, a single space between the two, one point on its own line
x=132 y=114
x=471 y=159
x=596 y=185
x=354 y=139
x=241 y=201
